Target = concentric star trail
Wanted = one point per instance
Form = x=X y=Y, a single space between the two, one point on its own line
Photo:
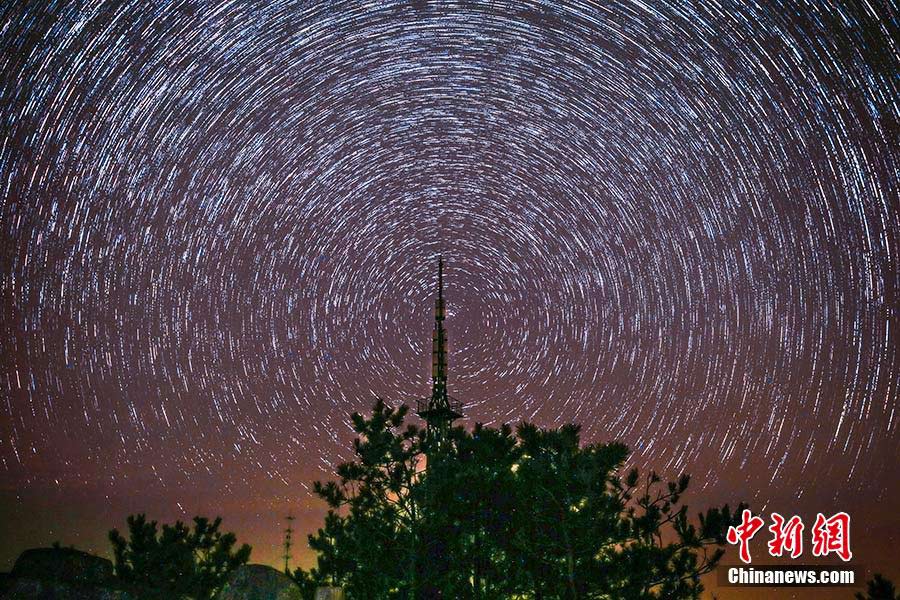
x=675 y=223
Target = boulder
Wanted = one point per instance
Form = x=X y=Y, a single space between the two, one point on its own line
x=259 y=582
x=61 y=574
x=63 y=565
x=36 y=589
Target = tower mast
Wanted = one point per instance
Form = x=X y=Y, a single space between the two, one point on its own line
x=288 y=542
x=440 y=410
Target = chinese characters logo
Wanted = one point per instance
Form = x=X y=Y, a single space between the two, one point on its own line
x=828 y=535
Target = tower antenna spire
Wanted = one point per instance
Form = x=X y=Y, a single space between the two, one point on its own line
x=439 y=339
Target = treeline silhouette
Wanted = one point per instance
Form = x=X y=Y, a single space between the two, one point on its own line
x=177 y=560
x=493 y=513
x=503 y=513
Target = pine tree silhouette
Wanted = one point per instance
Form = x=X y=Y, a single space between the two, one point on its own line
x=879 y=588
x=178 y=560
x=528 y=513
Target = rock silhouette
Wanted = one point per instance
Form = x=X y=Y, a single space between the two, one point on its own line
x=61 y=574
x=259 y=582
x=63 y=564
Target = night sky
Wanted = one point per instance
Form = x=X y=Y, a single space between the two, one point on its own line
x=675 y=223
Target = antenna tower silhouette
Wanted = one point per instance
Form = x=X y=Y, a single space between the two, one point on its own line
x=288 y=542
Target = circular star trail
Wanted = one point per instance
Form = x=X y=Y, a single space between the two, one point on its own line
x=674 y=223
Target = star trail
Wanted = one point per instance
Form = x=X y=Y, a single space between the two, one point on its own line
x=675 y=223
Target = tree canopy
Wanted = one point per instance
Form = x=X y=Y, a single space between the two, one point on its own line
x=879 y=588
x=178 y=560
x=504 y=513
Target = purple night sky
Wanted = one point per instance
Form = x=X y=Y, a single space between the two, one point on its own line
x=673 y=222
